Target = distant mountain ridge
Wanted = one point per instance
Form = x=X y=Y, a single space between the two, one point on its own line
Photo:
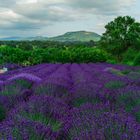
x=83 y=36
x=22 y=38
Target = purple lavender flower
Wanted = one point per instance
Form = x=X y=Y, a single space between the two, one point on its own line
x=40 y=117
x=71 y=102
x=13 y=92
x=97 y=122
x=52 y=88
x=25 y=76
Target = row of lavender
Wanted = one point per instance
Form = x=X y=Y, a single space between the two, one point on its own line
x=70 y=102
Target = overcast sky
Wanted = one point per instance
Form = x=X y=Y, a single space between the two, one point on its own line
x=54 y=17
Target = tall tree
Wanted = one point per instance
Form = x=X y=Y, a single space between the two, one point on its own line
x=122 y=33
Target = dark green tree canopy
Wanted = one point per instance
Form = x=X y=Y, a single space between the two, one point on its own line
x=122 y=33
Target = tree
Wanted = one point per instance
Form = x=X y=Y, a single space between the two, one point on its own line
x=121 y=34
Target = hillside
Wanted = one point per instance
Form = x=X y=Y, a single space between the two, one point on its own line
x=77 y=36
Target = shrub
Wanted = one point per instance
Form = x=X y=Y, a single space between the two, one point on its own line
x=137 y=60
x=51 y=55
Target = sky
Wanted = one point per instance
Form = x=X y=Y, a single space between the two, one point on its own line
x=26 y=18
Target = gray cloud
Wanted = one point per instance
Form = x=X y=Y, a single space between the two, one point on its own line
x=37 y=14
x=102 y=7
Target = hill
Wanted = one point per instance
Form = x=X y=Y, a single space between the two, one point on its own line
x=77 y=36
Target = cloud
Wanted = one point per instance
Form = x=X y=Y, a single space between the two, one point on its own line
x=37 y=14
x=43 y=12
x=99 y=7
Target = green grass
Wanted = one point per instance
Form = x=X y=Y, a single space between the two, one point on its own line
x=15 y=87
x=23 y=83
x=55 y=125
x=80 y=101
x=114 y=84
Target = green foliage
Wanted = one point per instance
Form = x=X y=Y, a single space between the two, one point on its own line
x=126 y=72
x=80 y=101
x=112 y=61
x=18 y=134
x=121 y=34
x=2 y=113
x=30 y=45
x=114 y=84
x=15 y=87
x=130 y=102
x=137 y=115
x=137 y=60
x=13 y=55
x=36 y=117
x=129 y=56
x=55 y=125
x=51 y=55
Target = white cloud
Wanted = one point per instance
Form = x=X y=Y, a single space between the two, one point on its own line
x=26 y=1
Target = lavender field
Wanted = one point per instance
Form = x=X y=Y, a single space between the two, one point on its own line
x=70 y=102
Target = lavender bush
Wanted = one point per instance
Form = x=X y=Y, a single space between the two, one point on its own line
x=70 y=102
